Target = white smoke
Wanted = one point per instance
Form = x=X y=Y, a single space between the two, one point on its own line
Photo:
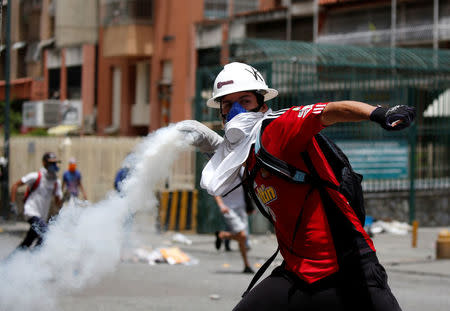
x=84 y=244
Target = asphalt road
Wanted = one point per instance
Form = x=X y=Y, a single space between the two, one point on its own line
x=215 y=283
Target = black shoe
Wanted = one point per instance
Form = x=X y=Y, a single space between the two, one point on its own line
x=248 y=270
x=218 y=241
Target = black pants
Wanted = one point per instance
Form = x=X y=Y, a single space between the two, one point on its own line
x=38 y=227
x=359 y=285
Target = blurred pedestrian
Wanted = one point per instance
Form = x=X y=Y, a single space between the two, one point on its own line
x=43 y=186
x=121 y=175
x=71 y=184
x=233 y=209
x=123 y=172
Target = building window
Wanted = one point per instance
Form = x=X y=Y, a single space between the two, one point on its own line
x=123 y=12
x=216 y=9
x=54 y=78
x=74 y=82
x=245 y=6
x=220 y=8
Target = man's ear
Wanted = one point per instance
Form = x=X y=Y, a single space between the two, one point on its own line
x=264 y=108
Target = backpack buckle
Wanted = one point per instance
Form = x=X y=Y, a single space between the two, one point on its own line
x=299 y=176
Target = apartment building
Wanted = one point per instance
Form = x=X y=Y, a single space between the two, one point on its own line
x=404 y=23
x=53 y=61
x=390 y=23
x=146 y=64
x=120 y=67
x=227 y=22
x=126 y=67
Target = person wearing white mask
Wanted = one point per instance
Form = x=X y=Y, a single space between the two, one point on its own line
x=329 y=260
x=43 y=186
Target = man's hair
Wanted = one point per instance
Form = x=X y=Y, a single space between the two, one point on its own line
x=50 y=157
x=259 y=98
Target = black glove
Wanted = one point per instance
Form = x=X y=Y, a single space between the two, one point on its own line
x=395 y=118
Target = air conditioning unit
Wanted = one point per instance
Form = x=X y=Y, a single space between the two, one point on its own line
x=48 y=113
x=71 y=112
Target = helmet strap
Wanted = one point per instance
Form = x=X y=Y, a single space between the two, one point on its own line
x=260 y=101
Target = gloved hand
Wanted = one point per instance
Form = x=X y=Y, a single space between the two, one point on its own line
x=199 y=135
x=13 y=208
x=395 y=118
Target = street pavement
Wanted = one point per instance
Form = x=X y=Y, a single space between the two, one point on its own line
x=215 y=281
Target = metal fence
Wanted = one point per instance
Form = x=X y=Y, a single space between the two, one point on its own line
x=414 y=159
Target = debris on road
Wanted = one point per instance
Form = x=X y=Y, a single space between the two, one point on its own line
x=174 y=255
x=181 y=238
x=393 y=227
x=170 y=255
x=214 y=297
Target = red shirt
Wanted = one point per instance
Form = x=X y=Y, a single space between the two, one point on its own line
x=309 y=250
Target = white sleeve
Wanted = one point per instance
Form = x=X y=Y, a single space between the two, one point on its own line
x=30 y=178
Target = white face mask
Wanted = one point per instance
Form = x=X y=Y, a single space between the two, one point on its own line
x=241 y=126
x=221 y=173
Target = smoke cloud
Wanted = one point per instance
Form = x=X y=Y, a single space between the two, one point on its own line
x=84 y=244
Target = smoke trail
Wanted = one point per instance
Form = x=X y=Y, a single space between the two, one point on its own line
x=84 y=244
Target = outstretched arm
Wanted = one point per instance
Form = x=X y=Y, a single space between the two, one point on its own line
x=391 y=119
x=14 y=187
x=346 y=111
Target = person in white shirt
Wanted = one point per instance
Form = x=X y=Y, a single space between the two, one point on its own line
x=233 y=208
x=43 y=186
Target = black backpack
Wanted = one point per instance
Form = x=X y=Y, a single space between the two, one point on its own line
x=349 y=180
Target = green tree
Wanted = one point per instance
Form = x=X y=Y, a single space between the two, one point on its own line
x=15 y=116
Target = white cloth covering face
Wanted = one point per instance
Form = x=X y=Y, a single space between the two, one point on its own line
x=222 y=171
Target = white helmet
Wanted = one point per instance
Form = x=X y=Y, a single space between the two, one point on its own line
x=239 y=77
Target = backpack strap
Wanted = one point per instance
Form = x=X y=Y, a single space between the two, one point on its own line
x=234 y=188
x=286 y=171
x=36 y=183
x=249 y=178
x=260 y=272
x=281 y=168
x=323 y=183
x=33 y=187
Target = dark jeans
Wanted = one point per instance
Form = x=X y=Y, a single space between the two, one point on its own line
x=361 y=285
x=38 y=227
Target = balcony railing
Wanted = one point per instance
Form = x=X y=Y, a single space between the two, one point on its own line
x=125 y=12
x=416 y=34
x=220 y=8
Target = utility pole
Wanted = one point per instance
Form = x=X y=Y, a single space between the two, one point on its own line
x=436 y=24
x=316 y=21
x=289 y=20
x=393 y=30
x=5 y=173
x=435 y=32
x=225 y=49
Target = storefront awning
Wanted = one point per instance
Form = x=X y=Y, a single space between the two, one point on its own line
x=19 y=45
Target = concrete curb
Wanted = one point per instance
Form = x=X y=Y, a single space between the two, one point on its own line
x=14 y=227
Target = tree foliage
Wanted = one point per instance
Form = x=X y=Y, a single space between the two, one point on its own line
x=15 y=116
